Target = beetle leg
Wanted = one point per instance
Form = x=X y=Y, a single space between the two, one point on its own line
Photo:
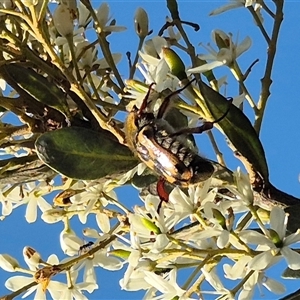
x=166 y=102
x=162 y=193
x=145 y=100
x=204 y=127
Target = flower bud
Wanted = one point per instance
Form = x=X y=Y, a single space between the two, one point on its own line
x=29 y=3
x=219 y=217
x=148 y=48
x=90 y=232
x=63 y=20
x=221 y=39
x=141 y=22
x=69 y=242
x=275 y=238
x=175 y=63
x=53 y=215
x=103 y=15
x=151 y=226
x=7 y=4
x=8 y=263
x=120 y=253
x=31 y=257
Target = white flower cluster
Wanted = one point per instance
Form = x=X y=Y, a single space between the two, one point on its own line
x=157 y=241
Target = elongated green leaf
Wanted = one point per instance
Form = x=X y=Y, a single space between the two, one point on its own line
x=238 y=129
x=38 y=87
x=175 y=63
x=83 y=154
x=291 y=274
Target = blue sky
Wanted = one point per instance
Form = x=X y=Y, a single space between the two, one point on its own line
x=280 y=133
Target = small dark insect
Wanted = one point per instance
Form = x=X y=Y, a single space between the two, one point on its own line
x=165 y=150
x=85 y=246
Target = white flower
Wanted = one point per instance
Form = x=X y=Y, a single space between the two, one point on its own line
x=185 y=205
x=63 y=20
x=104 y=18
x=8 y=263
x=8 y=198
x=75 y=291
x=54 y=287
x=214 y=280
x=276 y=244
x=84 y=15
x=34 y=200
x=259 y=278
x=141 y=22
x=93 y=195
x=243 y=191
x=228 y=52
x=166 y=285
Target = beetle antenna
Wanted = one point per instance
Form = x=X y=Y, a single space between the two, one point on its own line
x=226 y=112
x=145 y=101
x=206 y=125
x=163 y=108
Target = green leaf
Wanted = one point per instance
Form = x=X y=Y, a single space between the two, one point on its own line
x=238 y=129
x=173 y=8
x=120 y=253
x=294 y=220
x=175 y=63
x=38 y=87
x=150 y=225
x=83 y=154
x=291 y=274
x=142 y=181
x=179 y=121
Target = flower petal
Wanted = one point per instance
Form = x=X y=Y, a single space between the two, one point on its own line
x=16 y=282
x=274 y=286
x=293 y=238
x=292 y=258
x=8 y=263
x=255 y=238
x=277 y=220
x=243 y=46
x=226 y=7
x=261 y=261
x=103 y=222
x=206 y=67
x=31 y=211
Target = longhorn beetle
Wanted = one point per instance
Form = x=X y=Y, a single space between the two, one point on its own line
x=163 y=149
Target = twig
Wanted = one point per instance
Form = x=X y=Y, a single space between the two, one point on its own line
x=250 y=68
x=266 y=80
x=259 y=24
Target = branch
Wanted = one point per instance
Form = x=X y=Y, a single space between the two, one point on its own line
x=266 y=80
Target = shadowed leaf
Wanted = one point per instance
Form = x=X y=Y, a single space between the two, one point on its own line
x=83 y=154
x=38 y=87
x=238 y=129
